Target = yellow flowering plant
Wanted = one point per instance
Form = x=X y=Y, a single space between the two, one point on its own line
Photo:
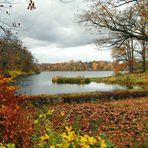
x=46 y=137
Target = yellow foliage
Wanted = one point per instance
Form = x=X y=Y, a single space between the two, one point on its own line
x=67 y=139
x=45 y=137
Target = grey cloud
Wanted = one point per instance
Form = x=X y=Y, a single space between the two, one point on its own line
x=52 y=23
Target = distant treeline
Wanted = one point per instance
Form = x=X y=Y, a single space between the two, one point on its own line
x=77 y=66
x=14 y=56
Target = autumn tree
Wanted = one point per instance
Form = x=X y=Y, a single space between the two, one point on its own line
x=14 y=56
x=142 y=13
x=116 y=25
x=105 y=16
x=125 y=54
x=140 y=47
x=142 y=53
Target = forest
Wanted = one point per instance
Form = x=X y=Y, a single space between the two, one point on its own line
x=77 y=66
x=15 y=56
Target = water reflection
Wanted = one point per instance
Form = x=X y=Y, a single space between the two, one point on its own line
x=42 y=83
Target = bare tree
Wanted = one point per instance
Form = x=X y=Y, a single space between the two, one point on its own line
x=5 y=6
x=124 y=2
x=123 y=24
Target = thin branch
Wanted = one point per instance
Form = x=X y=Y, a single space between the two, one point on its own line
x=126 y=2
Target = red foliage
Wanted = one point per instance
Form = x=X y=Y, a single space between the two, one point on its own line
x=15 y=124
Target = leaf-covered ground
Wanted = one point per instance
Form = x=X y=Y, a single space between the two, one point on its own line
x=124 y=122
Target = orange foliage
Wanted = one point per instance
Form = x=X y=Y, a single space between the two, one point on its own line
x=119 y=67
x=15 y=124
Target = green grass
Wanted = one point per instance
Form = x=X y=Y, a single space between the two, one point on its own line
x=16 y=73
x=70 y=80
x=124 y=79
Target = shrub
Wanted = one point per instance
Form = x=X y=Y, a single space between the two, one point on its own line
x=15 y=123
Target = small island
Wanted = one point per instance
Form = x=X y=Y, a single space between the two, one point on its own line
x=70 y=80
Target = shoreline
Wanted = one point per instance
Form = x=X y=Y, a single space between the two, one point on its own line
x=17 y=73
x=92 y=97
x=124 y=79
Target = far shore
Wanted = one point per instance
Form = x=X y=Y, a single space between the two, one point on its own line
x=122 y=79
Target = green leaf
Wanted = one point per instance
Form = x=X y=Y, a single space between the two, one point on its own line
x=10 y=145
x=102 y=136
x=71 y=146
x=109 y=144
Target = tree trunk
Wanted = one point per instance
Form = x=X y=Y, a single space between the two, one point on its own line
x=130 y=55
x=130 y=66
x=143 y=56
x=143 y=61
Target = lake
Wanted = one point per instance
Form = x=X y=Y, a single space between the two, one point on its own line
x=42 y=83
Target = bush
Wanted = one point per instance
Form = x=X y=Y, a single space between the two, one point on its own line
x=15 y=123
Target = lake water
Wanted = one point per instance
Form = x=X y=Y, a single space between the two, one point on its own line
x=42 y=83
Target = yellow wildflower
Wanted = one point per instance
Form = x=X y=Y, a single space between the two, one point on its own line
x=50 y=112
x=85 y=146
x=42 y=116
x=65 y=144
x=103 y=145
x=45 y=137
x=92 y=140
x=87 y=140
x=68 y=129
x=83 y=139
x=70 y=136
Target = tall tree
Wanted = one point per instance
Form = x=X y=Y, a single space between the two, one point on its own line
x=118 y=26
x=143 y=51
x=122 y=24
x=125 y=54
x=14 y=56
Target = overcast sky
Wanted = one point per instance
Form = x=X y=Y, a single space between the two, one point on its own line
x=52 y=34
